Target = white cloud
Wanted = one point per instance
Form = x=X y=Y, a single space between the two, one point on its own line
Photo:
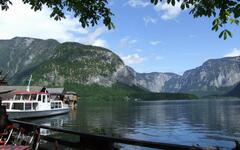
x=133 y=59
x=92 y=38
x=100 y=42
x=148 y=20
x=233 y=53
x=138 y=3
x=21 y=20
x=155 y=42
x=127 y=41
x=168 y=11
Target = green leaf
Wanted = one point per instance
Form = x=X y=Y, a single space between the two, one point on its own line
x=237 y=22
x=232 y=21
x=154 y=2
x=229 y=33
x=215 y=28
x=225 y=35
x=220 y=35
x=182 y=6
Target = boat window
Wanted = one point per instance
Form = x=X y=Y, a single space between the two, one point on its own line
x=17 y=106
x=7 y=105
x=52 y=105
x=48 y=98
x=28 y=106
x=43 y=97
x=33 y=97
x=25 y=96
x=39 y=97
x=55 y=105
x=59 y=105
x=35 y=106
x=17 y=97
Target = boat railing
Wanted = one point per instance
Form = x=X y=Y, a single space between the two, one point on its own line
x=95 y=142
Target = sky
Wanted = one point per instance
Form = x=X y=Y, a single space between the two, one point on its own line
x=148 y=38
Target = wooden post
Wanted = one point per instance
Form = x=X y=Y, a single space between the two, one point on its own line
x=237 y=145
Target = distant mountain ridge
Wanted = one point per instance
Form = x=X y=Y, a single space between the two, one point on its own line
x=215 y=76
x=57 y=64
x=235 y=92
x=155 y=81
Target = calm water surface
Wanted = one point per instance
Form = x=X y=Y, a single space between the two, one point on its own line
x=203 y=122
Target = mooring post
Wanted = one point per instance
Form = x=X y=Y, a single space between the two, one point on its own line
x=237 y=145
x=95 y=144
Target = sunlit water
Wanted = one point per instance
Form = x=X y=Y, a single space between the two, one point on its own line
x=204 y=122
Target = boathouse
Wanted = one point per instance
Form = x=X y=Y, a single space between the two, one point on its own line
x=71 y=98
x=68 y=97
x=56 y=93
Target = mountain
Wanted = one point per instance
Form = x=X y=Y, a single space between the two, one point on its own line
x=215 y=76
x=155 y=81
x=82 y=64
x=235 y=92
x=94 y=72
x=58 y=64
x=21 y=55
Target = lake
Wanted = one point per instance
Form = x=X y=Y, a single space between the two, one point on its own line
x=190 y=122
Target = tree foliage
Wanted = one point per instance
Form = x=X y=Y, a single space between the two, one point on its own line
x=90 y=12
x=224 y=12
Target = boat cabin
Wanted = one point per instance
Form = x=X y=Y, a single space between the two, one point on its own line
x=24 y=100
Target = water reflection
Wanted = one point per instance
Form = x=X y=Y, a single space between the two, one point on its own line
x=205 y=122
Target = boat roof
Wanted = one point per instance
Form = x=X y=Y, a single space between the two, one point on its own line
x=29 y=92
x=20 y=88
x=55 y=90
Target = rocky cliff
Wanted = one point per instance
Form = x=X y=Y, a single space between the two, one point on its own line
x=215 y=75
x=81 y=64
x=54 y=63
x=155 y=81
x=21 y=55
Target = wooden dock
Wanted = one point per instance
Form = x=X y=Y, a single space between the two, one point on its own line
x=87 y=141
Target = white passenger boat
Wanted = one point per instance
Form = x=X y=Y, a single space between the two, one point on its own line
x=30 y=104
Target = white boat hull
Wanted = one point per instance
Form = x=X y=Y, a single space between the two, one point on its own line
x=35 y=113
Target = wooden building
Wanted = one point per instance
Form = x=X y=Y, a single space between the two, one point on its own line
x=68 y=97
x=56 y=93
x=71 y=98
